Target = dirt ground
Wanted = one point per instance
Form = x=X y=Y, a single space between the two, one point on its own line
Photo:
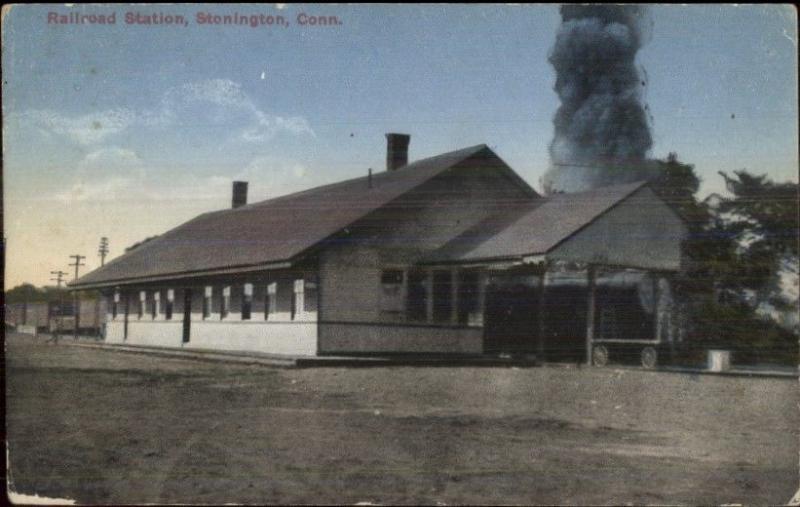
x=110 y=427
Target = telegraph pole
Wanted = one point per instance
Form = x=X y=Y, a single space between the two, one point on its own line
x=103 y=250
x=75 y=308
x=77 y=264
x=59 y=279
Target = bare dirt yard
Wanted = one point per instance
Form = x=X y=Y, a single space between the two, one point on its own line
x=108 y=427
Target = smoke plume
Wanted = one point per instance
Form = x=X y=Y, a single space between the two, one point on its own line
x=602 y=128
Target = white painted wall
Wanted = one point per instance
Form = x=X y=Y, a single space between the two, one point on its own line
x=295 y=338
x=298 y=337
x=114 y=330
x=154 y=334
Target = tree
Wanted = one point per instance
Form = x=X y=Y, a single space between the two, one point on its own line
x=28 y=293
x=24 y=293
x=737 y=253
x=707 y=250
x=677 y=184
x=762 y=218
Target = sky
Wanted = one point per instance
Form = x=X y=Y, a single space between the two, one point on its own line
x=128 y=130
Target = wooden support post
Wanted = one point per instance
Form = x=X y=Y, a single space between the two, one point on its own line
x=656 y=312
x=454 y=296
x=483 y=281
x=76 y=310
x=429 y=295
x=542 y=314
x=125 y=321
x=98 y=307
x=590 y=309
x=403 y=295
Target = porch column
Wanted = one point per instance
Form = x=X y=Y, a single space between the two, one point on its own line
x=429 y=295
x=403 y=294
x=542 y=314
x=656 y=309
x=590 y=278
x=97 y=314
x=483 y=278
x=127 y=311
x=454 y=296
x=76 y=310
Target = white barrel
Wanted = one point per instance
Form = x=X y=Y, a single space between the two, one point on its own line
x=25 y=329
x=719 y=360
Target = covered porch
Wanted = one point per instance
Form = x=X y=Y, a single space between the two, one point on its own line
x=580 y=312
x=582 y=277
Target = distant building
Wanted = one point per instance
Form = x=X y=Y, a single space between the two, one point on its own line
x=55 y=314
x=444 y=255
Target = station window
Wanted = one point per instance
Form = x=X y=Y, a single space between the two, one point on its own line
x=226 y=303
x=271 y=301
x=392 y=278
x=169 y=304
x=115 y=306
x=155 y=307
x=142 y=302
x=247 y=301
x=391 y=297
x=207 y=302
x=310 y=291
x=442 y=296
x=417 y=296
x=467 y=295
x=297 y=299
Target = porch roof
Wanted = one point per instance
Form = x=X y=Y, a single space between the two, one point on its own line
x=537 y=229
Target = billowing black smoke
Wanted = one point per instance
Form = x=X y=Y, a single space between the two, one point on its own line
x=602 y=128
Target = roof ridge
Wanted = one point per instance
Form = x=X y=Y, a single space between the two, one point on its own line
x=336 y=200
x=635 y=185
x=603 y=199
x=467 y=152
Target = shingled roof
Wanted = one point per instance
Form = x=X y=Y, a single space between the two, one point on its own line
x=271 y=231
x=533 y=228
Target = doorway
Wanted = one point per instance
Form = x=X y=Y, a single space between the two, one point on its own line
x=512 y=319
x=565 y=329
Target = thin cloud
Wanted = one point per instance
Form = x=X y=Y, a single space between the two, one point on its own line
x=85 y=130
x=231 y=105
x=111 y=189
x=111 y=155
x=118 y=174
x=268 y=126
x=207 y=102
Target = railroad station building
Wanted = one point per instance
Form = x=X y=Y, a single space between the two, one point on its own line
x=453 y=254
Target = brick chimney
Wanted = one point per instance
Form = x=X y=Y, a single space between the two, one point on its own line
x=396 y=151
x=239 y=193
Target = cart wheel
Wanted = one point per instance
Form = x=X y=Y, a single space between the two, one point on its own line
x=649 y=357
x=600 y=355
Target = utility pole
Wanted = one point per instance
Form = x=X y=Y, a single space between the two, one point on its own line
x=59 y=279
x=103 y=250
x=75 y=308
x=77 y=264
